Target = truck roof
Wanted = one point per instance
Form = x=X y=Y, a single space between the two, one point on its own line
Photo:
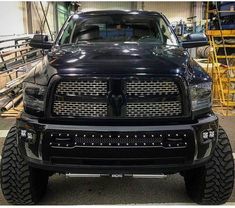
x=105 y=12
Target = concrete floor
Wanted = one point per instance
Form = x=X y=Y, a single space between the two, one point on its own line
x=72 y=191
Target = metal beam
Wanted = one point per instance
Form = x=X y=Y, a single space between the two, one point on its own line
x=39 y=17
x=45 y=16
x=29 y=17
x=55 y=10
x=44 y=20
x=134 y=5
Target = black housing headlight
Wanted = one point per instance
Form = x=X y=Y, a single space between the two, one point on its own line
x=201 y=96
x=34 y=98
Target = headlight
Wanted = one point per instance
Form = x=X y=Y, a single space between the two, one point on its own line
x=201 y=96
x=33 y=98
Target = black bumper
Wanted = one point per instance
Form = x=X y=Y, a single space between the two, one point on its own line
x=116 y=149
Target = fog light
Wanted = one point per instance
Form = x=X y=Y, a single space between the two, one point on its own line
x=205 y=135
x=30 y=135
x=23 y=133
x=208 y=134
x=211 y=134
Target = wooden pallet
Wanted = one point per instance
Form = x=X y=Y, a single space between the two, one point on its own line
x=13 y=112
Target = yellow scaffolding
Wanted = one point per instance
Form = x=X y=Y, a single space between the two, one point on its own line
x=223 y=75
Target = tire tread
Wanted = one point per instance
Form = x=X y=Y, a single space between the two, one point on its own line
x=213 y=183
x=17 y=177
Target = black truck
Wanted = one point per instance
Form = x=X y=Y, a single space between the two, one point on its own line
x=117 y=95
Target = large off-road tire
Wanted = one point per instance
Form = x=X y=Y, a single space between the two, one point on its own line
x=20 y=183
x=212 y=184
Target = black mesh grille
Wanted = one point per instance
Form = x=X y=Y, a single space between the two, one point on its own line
x=115 y=138
x=91 y=138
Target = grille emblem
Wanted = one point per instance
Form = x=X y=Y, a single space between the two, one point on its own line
x=116 y=102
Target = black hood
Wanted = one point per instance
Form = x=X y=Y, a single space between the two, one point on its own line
x=118 y=58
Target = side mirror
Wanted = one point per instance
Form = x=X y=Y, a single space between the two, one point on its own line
x=194 y=40
x=40 y=41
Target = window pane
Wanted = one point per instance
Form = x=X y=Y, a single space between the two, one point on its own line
x=109 y=28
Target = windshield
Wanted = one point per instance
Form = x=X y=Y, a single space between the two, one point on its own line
x=117 y=28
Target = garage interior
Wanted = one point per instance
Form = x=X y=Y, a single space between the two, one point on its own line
x=21 y=20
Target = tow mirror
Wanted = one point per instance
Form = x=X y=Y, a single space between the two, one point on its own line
x=40 y=41
x=194 y=40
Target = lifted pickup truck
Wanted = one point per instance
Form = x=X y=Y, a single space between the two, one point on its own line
x=117 y=95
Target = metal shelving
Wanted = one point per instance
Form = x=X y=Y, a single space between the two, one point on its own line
x=223 y=71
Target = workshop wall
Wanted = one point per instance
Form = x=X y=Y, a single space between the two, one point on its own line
x=174 y=11
x=85 y=6
x=20 y=21
x=14 y=21
x=38 y=17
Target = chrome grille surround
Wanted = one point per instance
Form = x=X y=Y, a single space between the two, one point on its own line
x=153 y=109
x=82 y=87
x=151 y=87
x=83 y=109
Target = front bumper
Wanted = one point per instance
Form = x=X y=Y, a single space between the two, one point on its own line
x=116 y=149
